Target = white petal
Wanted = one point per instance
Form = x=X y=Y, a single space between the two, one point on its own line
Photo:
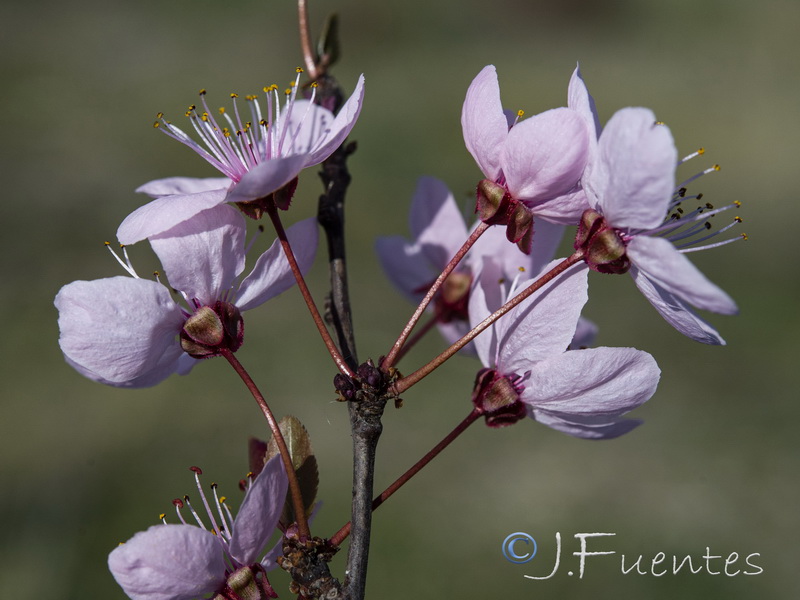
x=670 y=269
x=202 y=256
x=169 y=562
x=118 y=329
x=271 y=274
x=675 y=312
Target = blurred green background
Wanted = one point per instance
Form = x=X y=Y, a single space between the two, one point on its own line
x=715 y=465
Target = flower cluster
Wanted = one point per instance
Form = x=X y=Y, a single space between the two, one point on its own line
x=495 y=289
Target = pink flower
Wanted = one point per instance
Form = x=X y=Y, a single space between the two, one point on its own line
x=130 y=332
x=184 y=562
x=438 y=231
x=529 y=370
x=630 y=185
x=258 y=151
x=536 y=162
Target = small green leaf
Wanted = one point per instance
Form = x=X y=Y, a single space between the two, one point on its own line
x=305 y=464
x=328 y=49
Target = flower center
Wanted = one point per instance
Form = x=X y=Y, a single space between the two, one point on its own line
x=234 y=142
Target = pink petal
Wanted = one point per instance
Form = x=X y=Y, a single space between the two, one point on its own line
x=202 y=256
x=486 y=297
x=271 y=274
x=544 y=155
x=542 y=325
x=405 y=265
x=675 y=312
x=633 y=179
x=182 y=186
x=658 y=259
x=565 y=209
x=266 y=177
x=589 y=428
x=437 y=224
x=258 y=517
x=164 y=213
x=593 y=383
x=580 y=100
x=341 y=126
x=169 y=562
x=483 y=123
x=118 y=329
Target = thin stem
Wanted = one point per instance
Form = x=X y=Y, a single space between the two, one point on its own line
x=309 y=56
x=341 y=364
x=294 y=486
x=342 y=534
x=406 y=382
x=391 y=357
x=415 y=338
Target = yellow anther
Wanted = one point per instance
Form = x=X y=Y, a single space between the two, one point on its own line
x=250 y=475
x=521 y=269
x=716 y=167
x=501 y=281
x=107 y=243
x=520 y=113
x=159 y=115
x=226 y=132
x=701 y=151
x=188 y=113
x=314 y=85
x=298 y=70
x=737 y=219
x=203 y=92
x=264 y=123
x=737 y=203
x=222 y=110
x=222 y=499
x=156 y=124
x=204 y=116
x=162 y=516
x=744 y=237
x=157 y=273
x=234 y=95
x=288 y=91
x=292 y=84
x=659 y=123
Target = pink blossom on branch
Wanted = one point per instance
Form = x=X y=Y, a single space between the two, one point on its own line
x=438 y=231
x=259 y=151
x=636 y=222
x=184 y=562
x=130 y=332
x=529 y=370
x=532 y=166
